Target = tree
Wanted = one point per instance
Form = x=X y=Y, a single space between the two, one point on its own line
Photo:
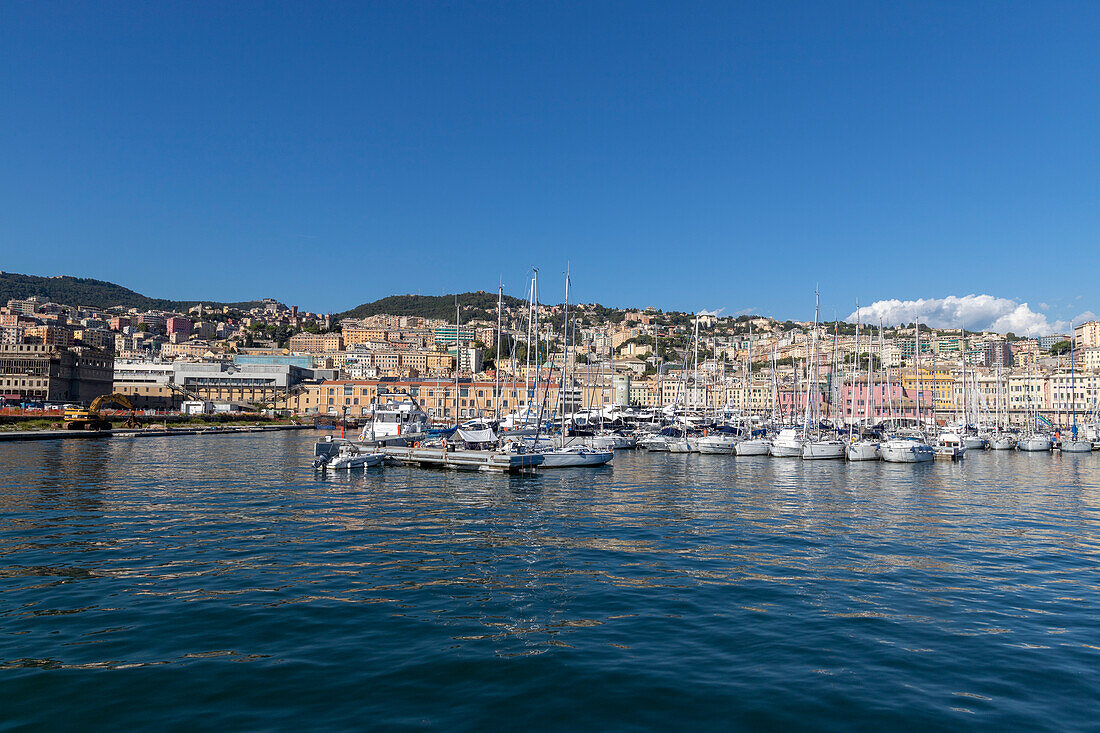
x=1062 y=347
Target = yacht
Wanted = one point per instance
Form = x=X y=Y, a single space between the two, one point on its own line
x=949 y=446
x=717 y=443
x=1002 y=441
x=396 y=414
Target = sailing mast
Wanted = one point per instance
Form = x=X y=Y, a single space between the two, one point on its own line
x=458 y=355
x=565 y=360
x=496 y=361
x=810 y=381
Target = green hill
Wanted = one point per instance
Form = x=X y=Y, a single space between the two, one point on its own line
x=479 y=305
x=92 y=293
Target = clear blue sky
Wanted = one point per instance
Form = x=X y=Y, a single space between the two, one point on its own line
x=685 y=155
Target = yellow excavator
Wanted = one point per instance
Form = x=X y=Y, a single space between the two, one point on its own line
x=80 y=418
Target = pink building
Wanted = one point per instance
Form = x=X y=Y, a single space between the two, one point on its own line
x=885 y=404
x=181 y=326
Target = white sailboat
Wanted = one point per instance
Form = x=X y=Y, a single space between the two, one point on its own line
x=862 y=449
x=1074 y=444
x=816 y=446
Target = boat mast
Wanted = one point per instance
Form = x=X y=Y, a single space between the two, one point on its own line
x=810 y=381
x=1072 y=385
x=565 y=360
x=458 y=355
x=496 y=361
x=916 y=365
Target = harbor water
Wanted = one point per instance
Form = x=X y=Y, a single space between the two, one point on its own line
x=217 y=582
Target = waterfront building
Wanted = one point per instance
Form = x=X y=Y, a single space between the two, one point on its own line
x=247 y=383
x=41 y=372
x=146 y=384
x=1087 y=335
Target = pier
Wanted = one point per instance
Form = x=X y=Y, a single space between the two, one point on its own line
x=143 y=433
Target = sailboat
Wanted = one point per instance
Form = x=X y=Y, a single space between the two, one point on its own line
x=862 y=449
x=1001 y=439
x=818 y=447
x=1033 y=441
x=1074 y=445
x=910 y=448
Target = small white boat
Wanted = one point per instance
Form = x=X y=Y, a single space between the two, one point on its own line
x=1076 y=446
x=753 y=447
x=815 y=450
x=1036 y=443
x=788 y=444
x=575 y=456
x=349 y=457
x=1004 y=441
x=863 y=450
x=906 y=450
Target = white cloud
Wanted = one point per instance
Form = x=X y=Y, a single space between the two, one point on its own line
x=972 y=312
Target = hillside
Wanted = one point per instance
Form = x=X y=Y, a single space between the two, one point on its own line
x=479 y=305
x=92 y=293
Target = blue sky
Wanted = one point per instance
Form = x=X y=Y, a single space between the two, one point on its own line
x=685 y=155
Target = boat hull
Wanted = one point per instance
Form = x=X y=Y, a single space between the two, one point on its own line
x=1035 y=444
x=1076 y=446
x=576 y=460
x=822 y=450
x=753 y=448
x=863 y=452
x=912 y=453
x=1002 y=443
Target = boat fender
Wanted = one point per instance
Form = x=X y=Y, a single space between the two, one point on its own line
x=444 y=444
x=416 y=444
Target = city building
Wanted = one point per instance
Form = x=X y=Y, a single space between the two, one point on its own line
x=40 y=372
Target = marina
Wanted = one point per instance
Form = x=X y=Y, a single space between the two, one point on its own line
x=953 y=594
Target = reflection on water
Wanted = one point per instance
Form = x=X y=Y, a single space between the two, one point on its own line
x=218 y=577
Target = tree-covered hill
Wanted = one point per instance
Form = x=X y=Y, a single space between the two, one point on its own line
x=91 y=293
x=479 y=305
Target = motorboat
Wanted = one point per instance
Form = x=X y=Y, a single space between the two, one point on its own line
x=822 y=449
x=949 y=447
x=575 y=456
x=753 y=447
x=396 y=415
x=788 y=443
x=906 y=450
x=863 y=450
x=718 y=443
x=347 y=457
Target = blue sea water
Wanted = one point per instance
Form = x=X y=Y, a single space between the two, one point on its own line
x=216 y=582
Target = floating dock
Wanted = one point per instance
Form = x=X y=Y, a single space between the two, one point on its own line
x=471 y=460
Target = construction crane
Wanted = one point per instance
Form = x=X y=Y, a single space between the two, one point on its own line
x=80 y=418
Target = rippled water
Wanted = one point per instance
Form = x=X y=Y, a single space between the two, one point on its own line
x=216 y=582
